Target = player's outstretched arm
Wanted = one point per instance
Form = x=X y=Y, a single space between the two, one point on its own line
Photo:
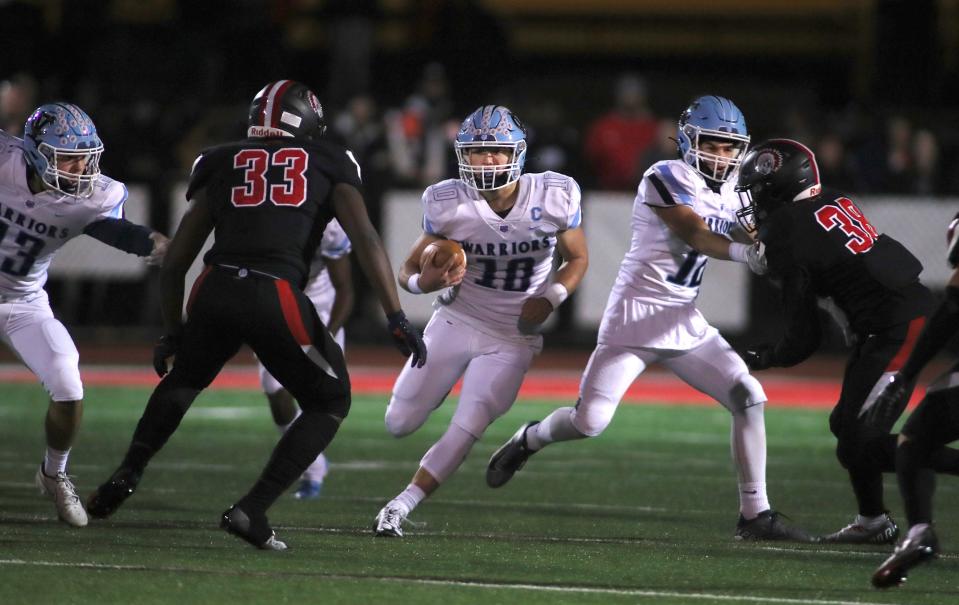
x=692 y=229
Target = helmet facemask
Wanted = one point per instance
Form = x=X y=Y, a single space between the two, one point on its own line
x=64 y=181
x=488 y=177
x=712 y=166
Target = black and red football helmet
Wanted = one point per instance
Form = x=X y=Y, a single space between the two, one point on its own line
x=286 y=108
x=775 y=173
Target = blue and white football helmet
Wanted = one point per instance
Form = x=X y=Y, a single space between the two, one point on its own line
x=491 y=126
x=712 y=118
x=58 y=132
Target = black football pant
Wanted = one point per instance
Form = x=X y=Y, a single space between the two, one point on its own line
x=229 y=308
x=930 y=427
x=863 y=450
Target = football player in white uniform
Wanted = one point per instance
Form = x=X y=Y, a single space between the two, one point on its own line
x=51 y=190
x=683 y=213
x=486 y=326
x=330 y=288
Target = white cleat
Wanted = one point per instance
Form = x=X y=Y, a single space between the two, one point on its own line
x=62 y=491
x=389 y=522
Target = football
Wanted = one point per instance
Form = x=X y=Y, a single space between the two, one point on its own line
x=445 y=248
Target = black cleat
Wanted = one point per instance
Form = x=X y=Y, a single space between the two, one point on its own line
x=909 y=553
x=509 y=458
x=254 y=530
x=769 y=525
x=109 y=496
x=855 y=533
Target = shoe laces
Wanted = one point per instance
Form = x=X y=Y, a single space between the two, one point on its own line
x=68 y=490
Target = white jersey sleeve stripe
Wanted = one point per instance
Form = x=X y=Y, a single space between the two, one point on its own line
x=677 y=190
x=664 y=194
x=577 y=219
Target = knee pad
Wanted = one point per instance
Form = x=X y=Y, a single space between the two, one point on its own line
x=403 y=416
x=61 y=377
x=446 y=455
x=591 y=418
x=746 y=393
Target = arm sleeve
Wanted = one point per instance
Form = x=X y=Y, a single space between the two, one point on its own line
x=122 y=235
x=940 y=328
x=803 y=332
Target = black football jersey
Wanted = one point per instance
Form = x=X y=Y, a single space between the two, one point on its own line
x=271 y=200
x=870 y=276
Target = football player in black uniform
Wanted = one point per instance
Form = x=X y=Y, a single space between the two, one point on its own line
x=932 y=425
x=822 y=246
x=268 y=199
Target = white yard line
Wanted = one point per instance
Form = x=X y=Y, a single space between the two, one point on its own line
x=629 y=592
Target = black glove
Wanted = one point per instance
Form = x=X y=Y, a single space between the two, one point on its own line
x=759 y=358
x=165 y=348
x=888 y=405
x=407 y=339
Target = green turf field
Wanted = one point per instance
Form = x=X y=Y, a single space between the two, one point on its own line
x=643 y=514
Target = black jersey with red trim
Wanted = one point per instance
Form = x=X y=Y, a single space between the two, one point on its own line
x=271 y=200
x=870 y=276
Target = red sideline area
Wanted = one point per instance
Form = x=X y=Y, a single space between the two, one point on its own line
x=554 y=375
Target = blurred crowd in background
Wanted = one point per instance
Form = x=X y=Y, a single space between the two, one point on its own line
x=163 y=79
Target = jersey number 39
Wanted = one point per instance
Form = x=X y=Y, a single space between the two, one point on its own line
x=851 y=221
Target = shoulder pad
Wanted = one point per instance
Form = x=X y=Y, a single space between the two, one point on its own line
x=668 y=183
x=439 y=204
x=561 y=198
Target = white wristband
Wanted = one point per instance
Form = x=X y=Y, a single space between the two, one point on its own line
x=737 y=252
x=413 y=284
x=556 y=293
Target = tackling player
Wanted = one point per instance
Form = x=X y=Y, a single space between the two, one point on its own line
x=822 y=245
x=684 y=212
x=486 y=327
x=52 y=190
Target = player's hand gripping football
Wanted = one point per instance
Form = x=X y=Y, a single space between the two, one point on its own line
x=407 y=338
x=889 y=403
x=164 y=349
x=435 y=277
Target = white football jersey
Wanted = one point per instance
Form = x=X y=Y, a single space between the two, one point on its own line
x=660 y=268
x=34 y=226
x=508 y=259
x=335 y=244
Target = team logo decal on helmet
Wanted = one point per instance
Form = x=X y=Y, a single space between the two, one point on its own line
x=286 y=108
x=61 y=135
x=769 y=161
x=491 y=127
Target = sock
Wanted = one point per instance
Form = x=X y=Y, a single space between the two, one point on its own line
x=410 y=497
x=55 y=461
x=558 y=426
x=317 y=471
x=748 y=443
x=752 y=499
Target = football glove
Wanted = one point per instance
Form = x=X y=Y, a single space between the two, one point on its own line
x=407 y=338
x=164 y=349
x=759 y=358
x=756 y=258
x=888 y=404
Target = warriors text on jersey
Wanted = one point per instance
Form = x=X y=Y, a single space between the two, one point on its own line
x=870 y=276
x=34 y=226
x=508 y=259
x=660 y=268
x=271 y=201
